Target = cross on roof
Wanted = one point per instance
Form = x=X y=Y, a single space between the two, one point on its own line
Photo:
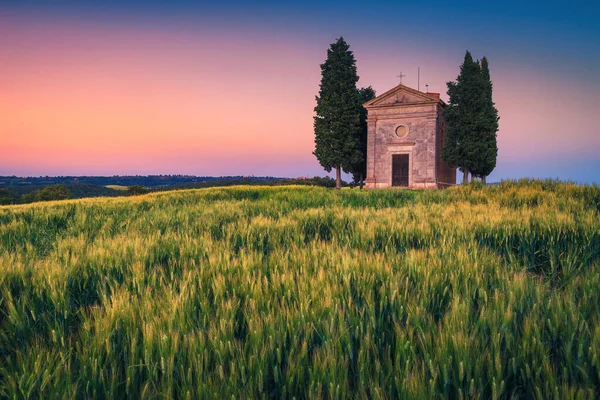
x=401 y=76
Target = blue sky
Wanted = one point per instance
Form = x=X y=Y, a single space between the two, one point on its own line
x=544 y=58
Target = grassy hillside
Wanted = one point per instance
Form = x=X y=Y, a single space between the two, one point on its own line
x=250 y=292
x=117 y=187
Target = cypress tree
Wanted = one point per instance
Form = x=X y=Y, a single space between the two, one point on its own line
x=487 y=127
x=462 y=116
x=359 y=170
x=338 y=111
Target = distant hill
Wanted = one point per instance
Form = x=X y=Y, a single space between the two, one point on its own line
x=125 y=180
x=20 y=190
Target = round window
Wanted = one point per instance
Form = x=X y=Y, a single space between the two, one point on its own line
x=401 y=131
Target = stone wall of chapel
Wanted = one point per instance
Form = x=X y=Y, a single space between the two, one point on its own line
x=419 y=143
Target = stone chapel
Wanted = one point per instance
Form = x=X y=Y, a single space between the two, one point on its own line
x=406 y=131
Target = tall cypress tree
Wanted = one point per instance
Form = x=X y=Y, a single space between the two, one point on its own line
x=485 y=160
x=359 y=170
x=462 y=116
x=338 y=110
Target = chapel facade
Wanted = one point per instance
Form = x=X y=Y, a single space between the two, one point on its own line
x=405 y=139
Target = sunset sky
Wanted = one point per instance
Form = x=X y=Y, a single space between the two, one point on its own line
x=168 y=87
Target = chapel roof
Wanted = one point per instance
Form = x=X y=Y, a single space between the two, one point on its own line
x=413 y=97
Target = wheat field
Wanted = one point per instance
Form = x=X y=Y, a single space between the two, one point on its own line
x=302 y=292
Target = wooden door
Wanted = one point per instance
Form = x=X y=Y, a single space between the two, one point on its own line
x=400 y=170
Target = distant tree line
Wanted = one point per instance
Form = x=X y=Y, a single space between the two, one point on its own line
x=24 y=195
x=5 y=197
x=53 y=192
x=48 y=193
x=122 y=180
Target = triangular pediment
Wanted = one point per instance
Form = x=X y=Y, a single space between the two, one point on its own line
x=401 y=95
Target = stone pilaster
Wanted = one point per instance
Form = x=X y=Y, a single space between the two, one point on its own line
x=370 y=181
